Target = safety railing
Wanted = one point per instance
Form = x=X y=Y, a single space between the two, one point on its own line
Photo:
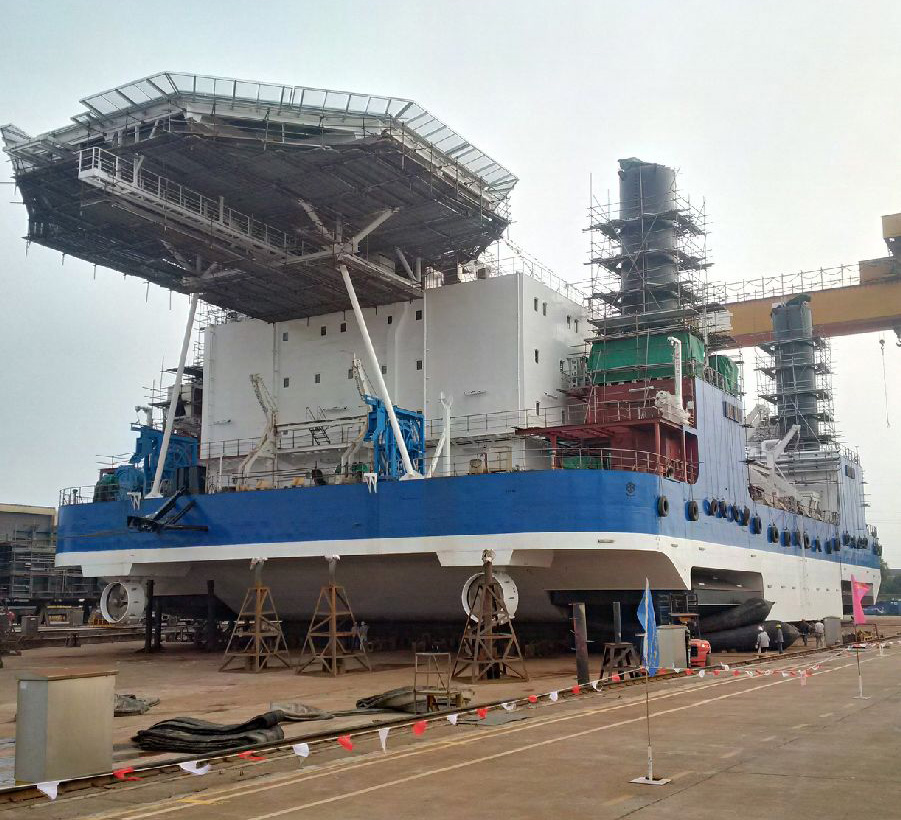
x=766 y=287
x=424 y=133
x=96 y=163
x=329 y=434
x=499 y=460
x=492 y=460
x=321 y=434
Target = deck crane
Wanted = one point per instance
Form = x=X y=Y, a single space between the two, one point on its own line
x=267 y=445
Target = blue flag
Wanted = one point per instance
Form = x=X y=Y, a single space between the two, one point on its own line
x=650 y=651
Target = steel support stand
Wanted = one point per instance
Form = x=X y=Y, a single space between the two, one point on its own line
x=330 y=638
x=489 y=648
x=257 y=637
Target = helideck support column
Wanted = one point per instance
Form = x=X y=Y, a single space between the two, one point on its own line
x=173 y=402
x=376 y=370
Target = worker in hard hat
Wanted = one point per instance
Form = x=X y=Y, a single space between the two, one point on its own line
x=763 y=640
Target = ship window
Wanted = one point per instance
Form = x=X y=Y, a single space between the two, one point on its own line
x=317 y=378
x=285 y=336
x=418 y=315
x=323 y=330
x=390 y=319
x=419 y=364
x=344 y=327
x=569 y=321
x=537 y=406
x=535 y=304
x=286 y=381
x=544 y=308
x=577 y=325
x=536 y=355
x=384 y=369
x=350 y=373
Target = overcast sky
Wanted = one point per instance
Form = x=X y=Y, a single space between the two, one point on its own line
x=784 y=116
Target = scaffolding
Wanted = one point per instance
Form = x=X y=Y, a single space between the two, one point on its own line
x=631 y=246
x=785 y=400
x=27 y=571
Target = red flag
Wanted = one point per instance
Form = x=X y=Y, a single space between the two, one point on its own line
x=419 y=727
x=688 y=671
x=482 y=713
x=576 y=689
x=120 y=774
x=716 y=671
x=858 y=590
x=615 y=677
x=533 y=699
x=736 y=673
x=250 y=756
x=346 y=742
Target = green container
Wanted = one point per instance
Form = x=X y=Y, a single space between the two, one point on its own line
x=582 y=463
x=728 y=369
x=640 y=357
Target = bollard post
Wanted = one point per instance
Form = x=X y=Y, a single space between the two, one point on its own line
x=580 y=631
x=148 y=618
x=158 y=624
x=210 y=616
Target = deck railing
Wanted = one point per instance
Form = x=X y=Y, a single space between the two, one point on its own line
x=494 y=460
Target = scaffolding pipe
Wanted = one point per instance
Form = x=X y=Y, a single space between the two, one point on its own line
x=381 y=387
x=173 y=402
x=677 y=368
x=446 y=403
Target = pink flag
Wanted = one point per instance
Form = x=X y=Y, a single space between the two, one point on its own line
x=858 y=590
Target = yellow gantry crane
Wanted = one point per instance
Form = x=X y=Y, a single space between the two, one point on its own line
x=843 y=301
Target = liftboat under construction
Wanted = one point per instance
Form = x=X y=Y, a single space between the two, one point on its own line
x=380 y=376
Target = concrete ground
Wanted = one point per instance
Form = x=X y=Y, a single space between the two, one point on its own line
x=733 y=746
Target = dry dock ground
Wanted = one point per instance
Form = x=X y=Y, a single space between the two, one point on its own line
x=734 y=746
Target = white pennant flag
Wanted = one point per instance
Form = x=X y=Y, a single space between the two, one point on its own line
x=749 y=673
x=452 y=719
x=768 y=672
x=725 y=666
x=301 y=749
x=383 y=738
x=676 y=669
x=596 y=684
x=48 y=787
x=785 y=674
x=194 y=767
x=701 y=673
x=509 y=706
x=553 y=697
